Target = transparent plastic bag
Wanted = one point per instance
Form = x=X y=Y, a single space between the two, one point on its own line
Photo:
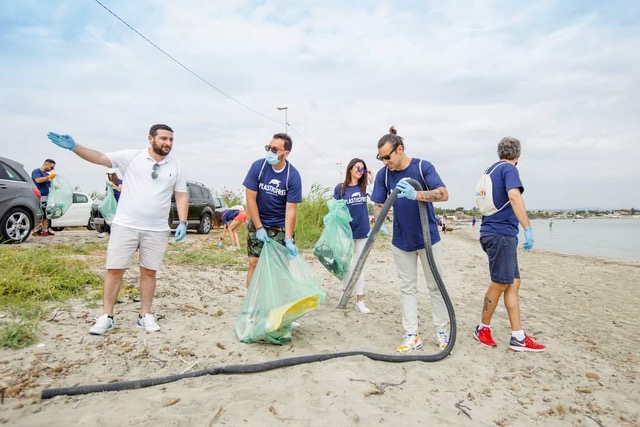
x=60 y=197
x=282 y=290
x=334 y=248
x=108 y=206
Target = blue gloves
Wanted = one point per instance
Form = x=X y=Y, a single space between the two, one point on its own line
x=406 y=190
x=261 y=234
x=64 y=141
x=528 y=239
x=181 y=232
x=293 y=251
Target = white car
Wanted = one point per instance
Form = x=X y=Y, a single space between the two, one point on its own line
x=78 y=215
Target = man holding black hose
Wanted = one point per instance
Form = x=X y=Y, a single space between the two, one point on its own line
x=408 y=241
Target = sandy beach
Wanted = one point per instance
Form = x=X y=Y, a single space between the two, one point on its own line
x=582 y=308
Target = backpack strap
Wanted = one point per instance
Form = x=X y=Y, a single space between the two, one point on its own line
x=386 y=175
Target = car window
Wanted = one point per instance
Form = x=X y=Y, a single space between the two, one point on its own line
x=7 y=172
x=80 y=198
x=194 y=192
x=217 y=202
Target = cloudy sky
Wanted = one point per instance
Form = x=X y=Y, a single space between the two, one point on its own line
x=453 y=77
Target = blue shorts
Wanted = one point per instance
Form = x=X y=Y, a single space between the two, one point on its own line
x=502 y=251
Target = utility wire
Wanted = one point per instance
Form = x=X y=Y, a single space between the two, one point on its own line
x=196 y=75
x=205 y=81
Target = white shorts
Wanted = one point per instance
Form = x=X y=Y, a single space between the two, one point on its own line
x=124 y=242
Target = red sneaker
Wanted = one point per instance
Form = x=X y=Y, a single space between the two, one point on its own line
x=527 y=344
x=38 y=233
x=483 y=336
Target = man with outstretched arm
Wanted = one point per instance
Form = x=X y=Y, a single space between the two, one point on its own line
x=141 y=221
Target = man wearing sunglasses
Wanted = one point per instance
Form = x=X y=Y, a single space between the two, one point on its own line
x=141 y=221
x=408 y=241
x=273 y=191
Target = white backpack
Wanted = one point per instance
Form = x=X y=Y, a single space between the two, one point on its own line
x=484 y=193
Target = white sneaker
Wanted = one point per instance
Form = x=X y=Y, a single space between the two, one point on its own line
x=362 y=308
x=442 y=339
x=103 y=324
x=148 y=322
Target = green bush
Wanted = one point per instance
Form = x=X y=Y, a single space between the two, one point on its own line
x=310 y=213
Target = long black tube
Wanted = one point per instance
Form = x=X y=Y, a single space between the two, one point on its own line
x=292 y=361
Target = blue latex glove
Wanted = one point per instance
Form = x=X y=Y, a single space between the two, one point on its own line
x=181 y=232
x=293 y=251
x=384 y=229
x=261 y=234
x=528 y=239
x=406 y=190
x=64 y=141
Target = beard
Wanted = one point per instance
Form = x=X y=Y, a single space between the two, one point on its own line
x=159 y=149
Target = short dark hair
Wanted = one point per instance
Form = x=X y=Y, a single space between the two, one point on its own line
x=288 y=143
x=394 y=139
x=50 y=161
x=155 y=128
x=509 y=148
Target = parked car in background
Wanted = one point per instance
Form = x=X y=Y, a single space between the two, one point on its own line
x=78 y=214
x=205 y=210
x=19 y=202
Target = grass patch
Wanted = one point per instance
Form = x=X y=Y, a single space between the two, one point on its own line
x=30 y=277
x=210 y=255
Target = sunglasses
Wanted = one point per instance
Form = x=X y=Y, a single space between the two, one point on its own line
x=154 y=174
x=271 y=148
x=387 y=156
x=361 y=170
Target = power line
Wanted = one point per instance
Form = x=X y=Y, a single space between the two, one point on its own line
x=196 y=75
x=205 y=81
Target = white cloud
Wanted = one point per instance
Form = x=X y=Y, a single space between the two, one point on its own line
x=453 y=77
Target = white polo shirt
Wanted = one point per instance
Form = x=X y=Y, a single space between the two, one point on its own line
x=145 y=202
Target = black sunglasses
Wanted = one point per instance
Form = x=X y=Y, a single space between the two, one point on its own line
x=271 y=148
x=154 y=174
x=386 y=156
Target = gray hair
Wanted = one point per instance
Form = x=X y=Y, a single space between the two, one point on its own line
x=509 y=148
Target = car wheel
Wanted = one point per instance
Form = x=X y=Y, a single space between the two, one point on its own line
x=16 y=226
x=57 y=228
x=205 y=224
x=90 y=224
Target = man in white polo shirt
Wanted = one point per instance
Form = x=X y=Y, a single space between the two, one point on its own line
x=142 y=218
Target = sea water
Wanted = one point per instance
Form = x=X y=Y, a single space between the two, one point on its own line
x=617 y=238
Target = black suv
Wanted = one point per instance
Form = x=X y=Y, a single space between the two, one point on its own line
x=205 y=210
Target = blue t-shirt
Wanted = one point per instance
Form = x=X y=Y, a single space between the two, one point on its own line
x=504 y=221
x=229 y=215
x=275 y=190
x=407 y=229
x=43 y=187
x=357 y=204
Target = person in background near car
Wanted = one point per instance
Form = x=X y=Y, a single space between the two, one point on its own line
x=114 y=182
x=354 y=192
x=233 y=218
x=42 y=177
x=273 y=191
x=499 y=239
x=141 y=219
x=408 y=241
